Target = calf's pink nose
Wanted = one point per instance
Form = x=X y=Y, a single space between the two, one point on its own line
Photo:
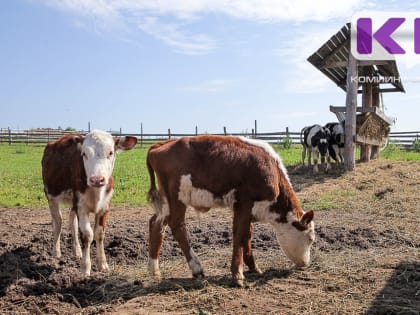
x=97 y=181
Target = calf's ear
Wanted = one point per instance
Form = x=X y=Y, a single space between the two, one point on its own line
x=78 y=139
x=125 y=143
x=307 y=217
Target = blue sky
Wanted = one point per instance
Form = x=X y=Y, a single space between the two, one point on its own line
x=178 y=64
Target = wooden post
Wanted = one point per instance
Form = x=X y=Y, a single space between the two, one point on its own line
x=196 y=130
x=255 y=127
x=120 y=131
x=224 y=131
x=375 y=103
x=351 y=107
x=365 y=149
x=169 y=133
x=141 y=135
x=10 y=136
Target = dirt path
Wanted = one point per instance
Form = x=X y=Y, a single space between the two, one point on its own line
x=365 y=260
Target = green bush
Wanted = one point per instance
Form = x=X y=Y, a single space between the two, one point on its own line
x=416 y=145
x=286 y=143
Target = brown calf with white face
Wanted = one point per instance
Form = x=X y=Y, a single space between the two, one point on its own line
x=77 y=170
x=242 y=174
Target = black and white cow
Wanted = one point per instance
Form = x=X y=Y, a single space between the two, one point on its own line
x=315 y=140
x=336 y=141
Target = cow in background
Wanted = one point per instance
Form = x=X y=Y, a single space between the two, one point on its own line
x=315 y=140
x=336 y=142
x=77 y=170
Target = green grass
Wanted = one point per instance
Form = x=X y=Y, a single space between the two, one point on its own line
x=396 y=152
x=21 y=182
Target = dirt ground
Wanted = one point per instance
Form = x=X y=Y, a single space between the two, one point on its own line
x=365 y=259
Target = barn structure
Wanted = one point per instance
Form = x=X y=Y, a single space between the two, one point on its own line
x=369 y=128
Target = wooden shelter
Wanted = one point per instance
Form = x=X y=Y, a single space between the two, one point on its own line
x=367 y=77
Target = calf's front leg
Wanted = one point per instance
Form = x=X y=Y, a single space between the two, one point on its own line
x=87 y=238
x=100 y=223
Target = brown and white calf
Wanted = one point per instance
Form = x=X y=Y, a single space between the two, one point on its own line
x=242 y=174
x=77 y=170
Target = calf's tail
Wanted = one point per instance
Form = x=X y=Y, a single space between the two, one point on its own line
x=153 y=196
x=301 y=135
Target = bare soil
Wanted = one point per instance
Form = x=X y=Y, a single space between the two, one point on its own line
x=365 y=259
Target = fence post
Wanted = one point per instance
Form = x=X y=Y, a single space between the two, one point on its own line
x=255 y=127
x=27 y=137
x=169 y=133
x=141 y=135
x=196 y=130
x=10 y=135
x=224 y=131
x=253 y=133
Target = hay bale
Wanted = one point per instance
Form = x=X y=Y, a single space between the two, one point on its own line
x=372 y=126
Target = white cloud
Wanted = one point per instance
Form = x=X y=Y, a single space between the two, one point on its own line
x=151 y=16
x=261 y=10
x=212 y=86
x=172 y=35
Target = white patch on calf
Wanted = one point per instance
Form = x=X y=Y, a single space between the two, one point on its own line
x=202 y=198
x=95 y=199
x=261 y=211
x=269 y=149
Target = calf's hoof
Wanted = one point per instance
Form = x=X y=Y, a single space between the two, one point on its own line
x=56 y=254
x=256 y=270
x=103 y=267
x=240 y=283
x=199 y=275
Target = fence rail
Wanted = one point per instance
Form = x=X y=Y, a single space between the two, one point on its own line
x=42 y=136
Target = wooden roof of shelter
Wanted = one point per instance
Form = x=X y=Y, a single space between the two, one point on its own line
x=332 y=58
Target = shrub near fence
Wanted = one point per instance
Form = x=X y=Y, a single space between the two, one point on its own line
x=42 y=136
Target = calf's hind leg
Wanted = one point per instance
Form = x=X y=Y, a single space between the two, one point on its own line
x=180 y=233
x=157 y=226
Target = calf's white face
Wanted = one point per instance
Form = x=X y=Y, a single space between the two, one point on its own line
x=99 y=150
x=296 y=238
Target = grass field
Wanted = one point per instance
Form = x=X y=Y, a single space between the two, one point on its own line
x=21 y=182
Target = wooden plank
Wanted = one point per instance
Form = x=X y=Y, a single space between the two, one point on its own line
x=342 y=109
x=367 y=140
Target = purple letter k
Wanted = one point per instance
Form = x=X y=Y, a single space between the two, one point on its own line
x=382 y=35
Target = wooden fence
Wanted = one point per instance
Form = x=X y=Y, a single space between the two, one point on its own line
x=42 y=136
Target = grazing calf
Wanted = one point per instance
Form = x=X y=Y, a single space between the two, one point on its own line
x=336 y=141
x=244 y=175
x=315 y=140
x=78 y=170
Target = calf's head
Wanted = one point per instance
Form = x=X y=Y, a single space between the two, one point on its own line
x=296 y=237
x=99 y=150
